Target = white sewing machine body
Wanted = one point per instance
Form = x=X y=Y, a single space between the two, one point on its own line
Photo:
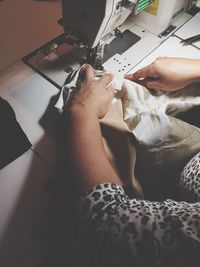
x=92 y=20
x=111 y=34
x=96 y=23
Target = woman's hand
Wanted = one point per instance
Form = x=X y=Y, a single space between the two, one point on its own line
x=89 y=102
x=168 y=73
x=91 y=95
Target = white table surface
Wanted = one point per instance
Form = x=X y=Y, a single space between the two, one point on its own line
x=190 y=28
x=170 y=48
x=29 y=234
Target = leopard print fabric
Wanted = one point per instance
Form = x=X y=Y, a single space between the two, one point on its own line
x=190 y=180
x=114 y=230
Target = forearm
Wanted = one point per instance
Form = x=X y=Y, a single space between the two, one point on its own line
x=90 y=164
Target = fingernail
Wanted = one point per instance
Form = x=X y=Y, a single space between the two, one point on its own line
x=86 y=65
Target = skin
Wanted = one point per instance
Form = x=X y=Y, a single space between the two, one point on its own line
x=88 y=105
x=168 y=73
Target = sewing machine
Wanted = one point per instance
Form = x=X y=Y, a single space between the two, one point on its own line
x=99 y=24
x=111 y=34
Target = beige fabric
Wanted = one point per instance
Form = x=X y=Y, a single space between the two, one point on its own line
x=164 y=142
x=119 y=146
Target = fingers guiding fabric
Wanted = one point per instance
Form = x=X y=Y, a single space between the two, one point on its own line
x=106 y=78
x=111 y=90
x=105 y=81
x=150 y=83
x=131 y=77
x=89 y=72
x=140 y=74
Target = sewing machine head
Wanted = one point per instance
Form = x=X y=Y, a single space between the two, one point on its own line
x=95 y=23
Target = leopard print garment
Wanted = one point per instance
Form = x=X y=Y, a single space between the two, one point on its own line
x=114 y=230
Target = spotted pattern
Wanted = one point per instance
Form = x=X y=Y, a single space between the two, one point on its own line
x=114 y=230
x=190 y=180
